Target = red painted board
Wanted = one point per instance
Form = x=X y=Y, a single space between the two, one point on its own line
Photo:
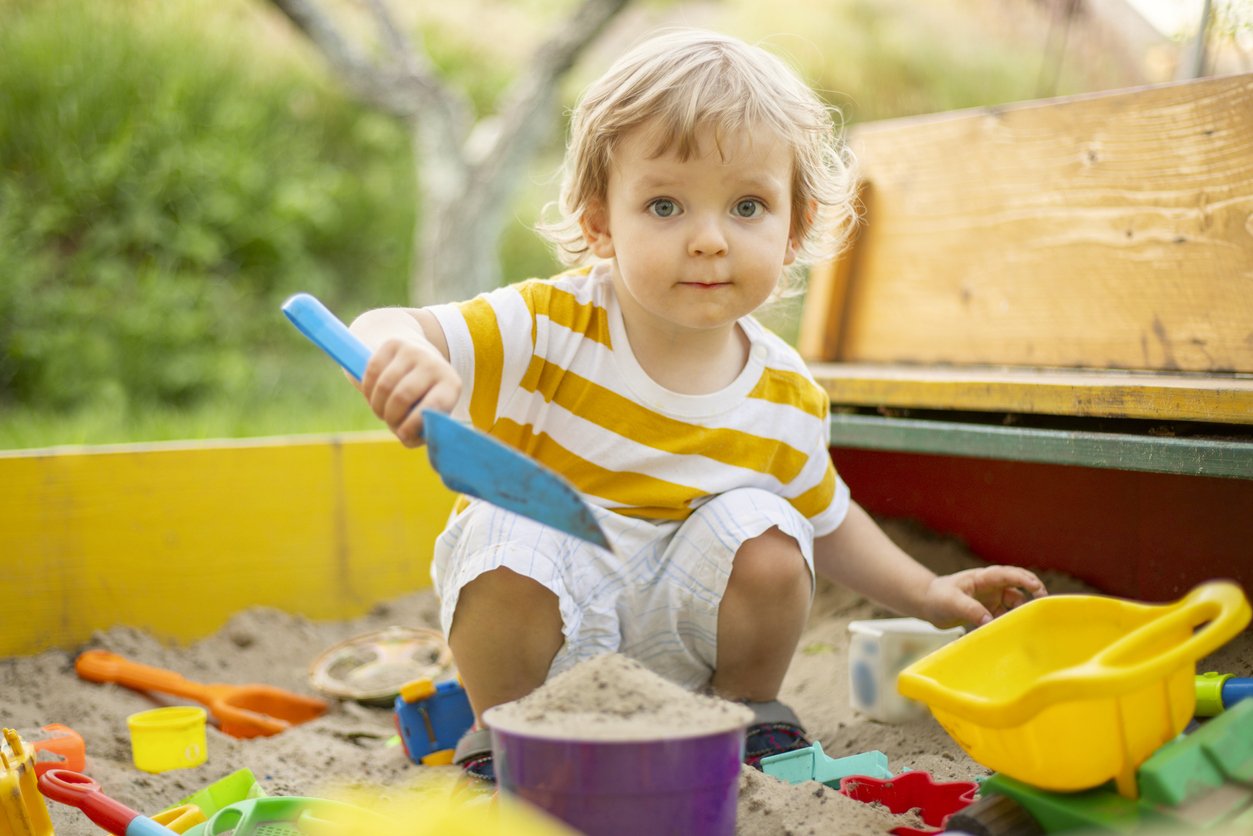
x=1143 y=536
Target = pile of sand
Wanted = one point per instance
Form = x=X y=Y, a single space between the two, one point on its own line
x=611 y=697
x=352 y=743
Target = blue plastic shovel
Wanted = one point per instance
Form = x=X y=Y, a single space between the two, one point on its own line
x=468 y=461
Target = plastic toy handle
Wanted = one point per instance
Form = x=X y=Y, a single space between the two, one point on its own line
x=63 y=742
x=1216 y=692
x=103 y=666
x=321 y=326
x=1217 y=609
x=144 y=826
x=1237 y=689
x=78 y=790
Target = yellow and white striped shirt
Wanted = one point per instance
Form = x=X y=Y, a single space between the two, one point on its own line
x=547 y=369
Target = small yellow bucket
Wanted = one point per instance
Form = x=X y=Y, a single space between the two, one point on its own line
x=168 y=738
x=1069 y=691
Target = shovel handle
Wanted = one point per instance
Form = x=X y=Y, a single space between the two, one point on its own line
x=326 y=331
x=103 y=666
x=81 y=791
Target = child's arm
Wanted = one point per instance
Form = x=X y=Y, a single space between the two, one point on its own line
x=861 y=556
x=408 y=370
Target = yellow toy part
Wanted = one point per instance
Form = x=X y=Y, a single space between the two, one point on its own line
x=441 y=807
x=23 y=811
x=1070 y=691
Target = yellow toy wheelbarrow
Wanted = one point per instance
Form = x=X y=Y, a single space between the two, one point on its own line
x=1070 y=691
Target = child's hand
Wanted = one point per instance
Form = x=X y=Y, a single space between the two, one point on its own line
x=402 y=378
x=976 y=596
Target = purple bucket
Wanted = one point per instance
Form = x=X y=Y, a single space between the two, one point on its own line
x=681 y=785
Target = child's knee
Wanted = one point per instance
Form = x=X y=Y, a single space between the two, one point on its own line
x=770 y=564
x=504 y=588
x=502 y=603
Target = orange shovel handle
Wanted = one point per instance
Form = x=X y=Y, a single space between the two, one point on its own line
x=242 y=710
x=103 y=666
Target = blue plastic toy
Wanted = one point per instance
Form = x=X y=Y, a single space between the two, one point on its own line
x=812 y=764
x=431 y=719
x=1216 y=692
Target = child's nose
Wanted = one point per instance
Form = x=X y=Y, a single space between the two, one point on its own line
x=707 y=238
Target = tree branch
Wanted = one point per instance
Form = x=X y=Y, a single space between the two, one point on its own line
x=401 y=50
x=403 y=89
x=528 y=107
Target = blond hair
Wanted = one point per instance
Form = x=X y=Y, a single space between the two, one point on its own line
x=685 y=81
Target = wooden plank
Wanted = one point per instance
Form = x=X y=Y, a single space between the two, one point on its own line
x=1210 y=398
x=826 y=296
x=1104 y=231
x=819 y=331
x=1118 y=451
x=174 y=538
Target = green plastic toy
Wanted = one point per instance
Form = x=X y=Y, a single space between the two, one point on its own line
x=1200 y=781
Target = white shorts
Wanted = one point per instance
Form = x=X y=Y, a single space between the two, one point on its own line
x=654 y=599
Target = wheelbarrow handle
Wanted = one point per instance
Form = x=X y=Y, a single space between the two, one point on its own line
x=1216 y=611
x=1146 y=654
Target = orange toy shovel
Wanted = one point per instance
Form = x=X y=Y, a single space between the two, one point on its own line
x=242 y=710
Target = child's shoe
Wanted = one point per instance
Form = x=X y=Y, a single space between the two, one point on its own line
x=775 y=729
x=474 y=755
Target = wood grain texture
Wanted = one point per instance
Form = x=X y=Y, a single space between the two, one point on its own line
x=1102 y=231
x=1223 y=399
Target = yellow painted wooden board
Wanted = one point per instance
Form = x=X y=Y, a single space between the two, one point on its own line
x=174 y=538
x=1224 y=399
x=1102 y=231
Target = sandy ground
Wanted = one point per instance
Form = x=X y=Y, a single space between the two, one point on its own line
x=350 y=743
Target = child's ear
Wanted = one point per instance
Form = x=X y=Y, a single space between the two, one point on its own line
x=794 y=236
x=595 y=225
x=793 y=247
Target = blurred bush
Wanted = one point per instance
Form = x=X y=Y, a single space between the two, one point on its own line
x=882 y=59
x=168 y=174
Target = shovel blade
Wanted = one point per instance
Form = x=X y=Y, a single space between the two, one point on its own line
x=468 y=461
x=478 y=465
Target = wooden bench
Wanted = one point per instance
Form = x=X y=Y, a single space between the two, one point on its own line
x=1067 y=281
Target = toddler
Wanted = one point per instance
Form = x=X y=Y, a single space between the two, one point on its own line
x=700 y=170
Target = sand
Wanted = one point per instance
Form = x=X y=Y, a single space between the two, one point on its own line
x=350 y=744
x=613 y=698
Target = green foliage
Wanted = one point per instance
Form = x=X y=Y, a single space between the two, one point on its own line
x=164 y=184
x=466 y=64
x=881 y=59
x=170 y=172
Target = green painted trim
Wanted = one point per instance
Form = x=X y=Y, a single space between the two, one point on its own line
x=1118 y=451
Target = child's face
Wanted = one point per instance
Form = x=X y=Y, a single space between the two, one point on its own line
x=696 y=243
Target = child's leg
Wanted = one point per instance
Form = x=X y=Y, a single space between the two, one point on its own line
x=521 y=601
x=506 y=630
x=761 y=617
x=723 y=604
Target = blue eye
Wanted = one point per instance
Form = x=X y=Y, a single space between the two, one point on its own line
x=749 y=208
x=663 y=207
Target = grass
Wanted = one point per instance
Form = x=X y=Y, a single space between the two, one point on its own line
x=27 y=429
x=309 y=398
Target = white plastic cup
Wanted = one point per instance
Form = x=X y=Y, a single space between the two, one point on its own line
x=878 y=651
